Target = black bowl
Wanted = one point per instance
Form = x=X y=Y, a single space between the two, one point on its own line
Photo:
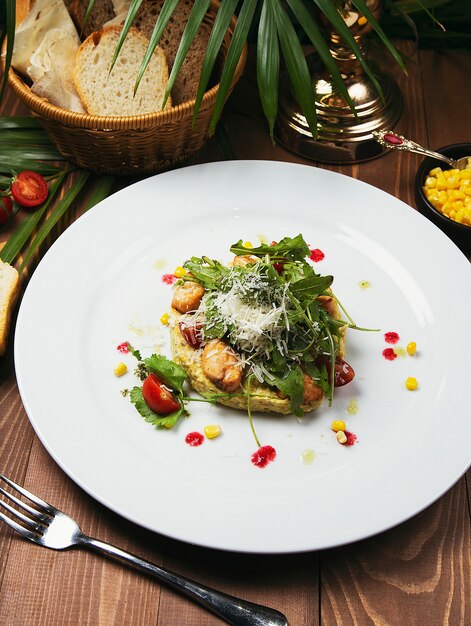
x=459 y=233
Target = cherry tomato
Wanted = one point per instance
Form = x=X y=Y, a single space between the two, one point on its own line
x=29 y=189
x=6 y=209
x=192 y=332
x=343 y=372
x=158 y=397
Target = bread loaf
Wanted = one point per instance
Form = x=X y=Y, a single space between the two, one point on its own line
x=9 y=291
x=102 y=12
x=105 y=93
x=186 y=84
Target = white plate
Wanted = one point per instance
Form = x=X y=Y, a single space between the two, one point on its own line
x=100 y=284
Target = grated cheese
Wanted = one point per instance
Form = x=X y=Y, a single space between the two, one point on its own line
x=252 y=312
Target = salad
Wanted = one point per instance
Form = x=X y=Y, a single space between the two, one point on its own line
x=262 y=333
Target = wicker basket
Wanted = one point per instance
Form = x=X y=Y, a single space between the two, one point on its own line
x=134 y=144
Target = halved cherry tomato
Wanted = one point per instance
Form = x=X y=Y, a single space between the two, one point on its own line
x=158 y=397
x=192 y=332
x=29 y=189
x=6 y=209
x=343 y=371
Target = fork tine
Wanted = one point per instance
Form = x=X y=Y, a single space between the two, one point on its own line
x=45 y=505
x=19 y=528
x=35 y=525
x=25 y=506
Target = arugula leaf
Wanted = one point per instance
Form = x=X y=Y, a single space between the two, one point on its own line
x=320 y=375
x=294 y=248
x=206 y=271
x=172 y=374
x=311 y=287
x=291 y=385
x=136 y=354
x=166 y=421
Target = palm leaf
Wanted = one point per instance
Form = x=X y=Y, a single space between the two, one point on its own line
x=165 y=14
x=56 y=214
x=15 y=138
x=268 y=64
x=236 y=46
x=315 y=36
x=363 y=8
x=131 y=14
x=197 y=14
x=327 y=7
x=221 y=24
x=101 y=189
x=88 y=11
x=20 y=123
x=31 y=153
x=296 y=65
x=23 y=232
x=17 y=163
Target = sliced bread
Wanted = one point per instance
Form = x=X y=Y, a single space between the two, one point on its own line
x=105 y=93
x=186 y=84
x=9 y=291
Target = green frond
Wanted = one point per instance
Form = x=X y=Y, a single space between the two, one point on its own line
x=268 y=64
x=238 y=41
x=218 y=32
x=296 y=65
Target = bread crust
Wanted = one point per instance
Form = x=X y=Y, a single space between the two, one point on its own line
x=10 y=290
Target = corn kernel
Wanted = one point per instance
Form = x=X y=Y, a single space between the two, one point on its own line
x=341 y=437
x=338 y=425
x=411 y=383
x=449 y=191
x=212 y=431
x=362 y=20
x=247 y=244
x=164 y=319
x=120 y=369
x=411 y=348
x=179 y=272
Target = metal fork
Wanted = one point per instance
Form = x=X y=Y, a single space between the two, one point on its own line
x=47 y=526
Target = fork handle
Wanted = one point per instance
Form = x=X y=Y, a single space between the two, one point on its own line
x=231 y=609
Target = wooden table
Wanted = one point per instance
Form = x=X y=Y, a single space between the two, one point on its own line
x=418 y=573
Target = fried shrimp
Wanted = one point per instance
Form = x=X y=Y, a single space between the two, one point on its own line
x=187 y=296
x=221 y=365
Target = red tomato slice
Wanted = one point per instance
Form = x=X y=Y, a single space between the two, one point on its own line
x=157 y=397
x=6 y=209
x=29 y=189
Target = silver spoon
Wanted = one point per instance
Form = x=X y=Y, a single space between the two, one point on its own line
x=392 y=141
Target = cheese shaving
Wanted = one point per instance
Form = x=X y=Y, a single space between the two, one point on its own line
x=252 y=312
